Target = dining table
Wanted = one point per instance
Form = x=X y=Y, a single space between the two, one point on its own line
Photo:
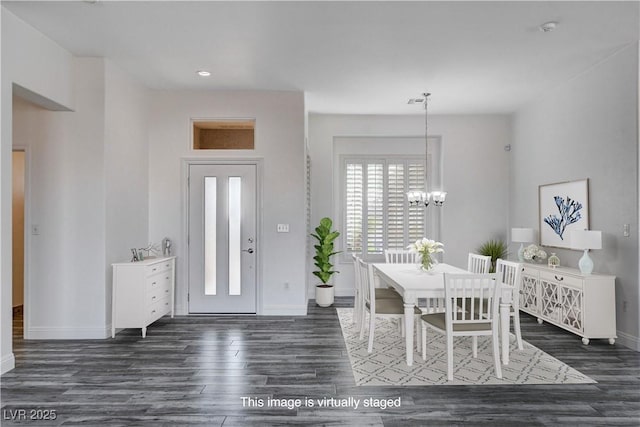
x=412 y=283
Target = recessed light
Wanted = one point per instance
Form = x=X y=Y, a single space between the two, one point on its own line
x=547 y=27
x=203 y=73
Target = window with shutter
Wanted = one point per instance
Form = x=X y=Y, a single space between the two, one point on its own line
x=376 y=213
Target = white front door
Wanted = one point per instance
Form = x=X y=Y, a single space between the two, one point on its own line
x=222 y=238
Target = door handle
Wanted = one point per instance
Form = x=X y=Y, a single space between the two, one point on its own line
x=250 y=250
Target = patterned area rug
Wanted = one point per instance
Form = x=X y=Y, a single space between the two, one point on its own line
x=386 y=364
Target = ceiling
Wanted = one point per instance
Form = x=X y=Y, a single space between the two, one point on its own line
x=348 y=57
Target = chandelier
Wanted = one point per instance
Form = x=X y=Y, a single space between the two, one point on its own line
x=419 y=197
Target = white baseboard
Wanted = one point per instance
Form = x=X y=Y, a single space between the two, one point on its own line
x=7 y=363
x=628 y=340
x=63 y=333
x=284 y=310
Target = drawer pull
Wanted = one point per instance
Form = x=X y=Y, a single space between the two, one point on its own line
x=166 y=291
x=154 y=283
x=154 y=269
x=559 y=279
x=153 y=297
x=153 y=311
x=167 y=277
x=166 y=265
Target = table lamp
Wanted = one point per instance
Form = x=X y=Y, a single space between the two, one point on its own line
x=585 y=240
x=522 y=236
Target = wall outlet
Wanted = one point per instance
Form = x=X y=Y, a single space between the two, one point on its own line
x=626 y=230
x=283 y=228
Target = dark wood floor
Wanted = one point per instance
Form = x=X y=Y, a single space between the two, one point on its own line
x=196 y=370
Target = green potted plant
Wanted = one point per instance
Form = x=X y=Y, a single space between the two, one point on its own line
x=495 y=249
x=322 y=260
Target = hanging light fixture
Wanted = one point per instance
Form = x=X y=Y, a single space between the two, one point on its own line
x=416 y=198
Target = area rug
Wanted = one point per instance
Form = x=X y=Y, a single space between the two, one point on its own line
x=386 y=365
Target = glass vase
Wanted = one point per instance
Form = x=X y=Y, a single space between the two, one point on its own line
x=426 y=262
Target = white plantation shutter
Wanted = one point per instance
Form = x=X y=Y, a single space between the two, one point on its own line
x=415 y=220
x=377 y=215
x=353 y=206
x=396 y=206
x=375 y=209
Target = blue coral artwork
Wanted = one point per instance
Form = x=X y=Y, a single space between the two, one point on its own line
x=563 y=207
x=569 y=213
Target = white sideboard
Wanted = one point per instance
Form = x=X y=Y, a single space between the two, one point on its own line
x=582 y=304
x=143 y=292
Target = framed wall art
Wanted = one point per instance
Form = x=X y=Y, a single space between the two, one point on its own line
x=563 y=206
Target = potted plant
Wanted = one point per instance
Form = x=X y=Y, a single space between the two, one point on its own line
x=322 y=260
x=495 y=249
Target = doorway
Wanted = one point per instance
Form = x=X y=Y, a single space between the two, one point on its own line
x=18 y=165
x=222 y=238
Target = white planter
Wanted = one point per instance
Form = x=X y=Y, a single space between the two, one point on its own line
x=324 y=295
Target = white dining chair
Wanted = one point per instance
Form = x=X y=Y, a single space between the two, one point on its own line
x=478 y=263
x=510 y=273
x=391 y=308
x=357 y=301
x=400 y=256
x=475 y=320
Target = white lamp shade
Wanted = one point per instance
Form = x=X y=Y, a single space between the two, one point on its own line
x=586 y=239
x=522 y=235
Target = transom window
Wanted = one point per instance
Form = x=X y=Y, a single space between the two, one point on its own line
x=376 y=213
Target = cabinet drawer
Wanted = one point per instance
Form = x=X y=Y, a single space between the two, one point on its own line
x=561 y=279
x=158 y=281
x=160 y=267
x=529 y=271
x=157 y=310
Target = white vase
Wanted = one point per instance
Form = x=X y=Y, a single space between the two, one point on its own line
x=324 y=295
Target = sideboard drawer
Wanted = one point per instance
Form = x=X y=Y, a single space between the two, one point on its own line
x=560 y=278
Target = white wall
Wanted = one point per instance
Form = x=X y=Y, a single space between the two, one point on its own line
x=588 y=128
x=475 y=173
x=279 y=141
x=126 y=163
x=66 y=288
x=25 y=54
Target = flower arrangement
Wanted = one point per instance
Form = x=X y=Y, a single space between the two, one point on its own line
x=426 y=248
x=534 y=253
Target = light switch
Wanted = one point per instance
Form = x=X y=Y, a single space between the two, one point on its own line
x=283 y=228
x=35 y=229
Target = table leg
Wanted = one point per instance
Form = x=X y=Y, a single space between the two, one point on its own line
x=504 y=331
x=408 y=330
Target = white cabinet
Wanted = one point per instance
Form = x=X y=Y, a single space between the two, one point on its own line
x=143 y=292
x=582 y=304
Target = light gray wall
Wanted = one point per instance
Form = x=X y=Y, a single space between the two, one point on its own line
x=25 y=54
x=126 y=166
x=279 y=142
x=588 y=128
x=475 y=173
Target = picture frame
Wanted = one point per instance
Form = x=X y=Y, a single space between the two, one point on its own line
x=563 y=206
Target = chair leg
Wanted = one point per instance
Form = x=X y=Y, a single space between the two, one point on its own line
x=516 y=328
x=362 y=322
x=424 y=341
x=475 y=346
x=449 y=358
x=416 y=327
x=372 y=329
x=496 y=352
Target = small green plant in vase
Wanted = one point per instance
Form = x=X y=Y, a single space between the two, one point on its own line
x=495 y=249
x=322 y=260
